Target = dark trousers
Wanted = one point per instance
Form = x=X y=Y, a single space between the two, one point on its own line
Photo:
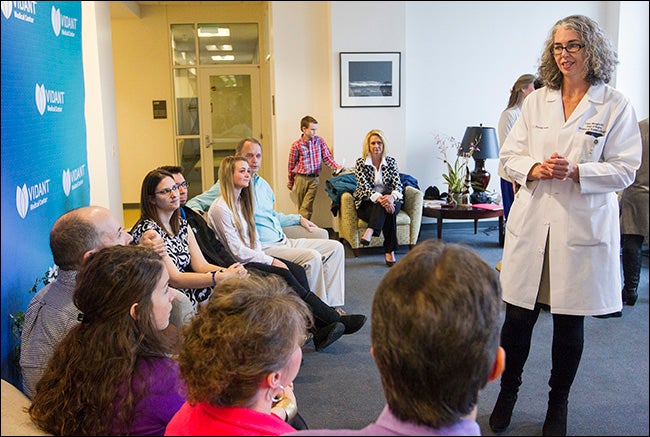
x=297 y=280
x=381 y=221
x=507 y=196
x=566 y=350
x=631 y=258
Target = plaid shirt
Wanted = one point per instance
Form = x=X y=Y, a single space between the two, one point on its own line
x=306 y=158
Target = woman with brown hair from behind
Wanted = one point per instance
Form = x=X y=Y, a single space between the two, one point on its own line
x=112 y=374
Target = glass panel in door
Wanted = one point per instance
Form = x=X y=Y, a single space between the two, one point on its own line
x=230 y=111
x=188 y=139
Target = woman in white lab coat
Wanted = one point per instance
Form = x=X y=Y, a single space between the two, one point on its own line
x=574 y=146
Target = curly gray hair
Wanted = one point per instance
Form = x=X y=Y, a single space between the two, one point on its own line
x=600 y=56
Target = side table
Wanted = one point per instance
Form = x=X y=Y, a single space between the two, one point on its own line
x=465 y=214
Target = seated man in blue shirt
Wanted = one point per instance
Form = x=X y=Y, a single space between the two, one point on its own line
x=322 y=258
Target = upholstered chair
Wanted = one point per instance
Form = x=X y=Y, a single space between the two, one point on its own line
x=409 y=219
x=15 y=418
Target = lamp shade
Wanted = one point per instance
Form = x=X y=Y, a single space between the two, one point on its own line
x=487 y=146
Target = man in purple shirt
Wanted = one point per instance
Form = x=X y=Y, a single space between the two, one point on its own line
x=306 y=157
x=435 y=340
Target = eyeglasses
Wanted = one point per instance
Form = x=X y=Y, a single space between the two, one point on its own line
x=572 y=47
x=166 y=191
x=183 y=184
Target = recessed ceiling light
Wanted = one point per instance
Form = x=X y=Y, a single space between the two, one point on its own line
x=215 y=48
x=223 y=58
x=212 y=31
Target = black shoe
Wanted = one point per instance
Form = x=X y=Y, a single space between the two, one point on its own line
x=502 y=413
x=390 y=263
x=365 y=242
x=555 y=422
x=352 y=322
x=610 y=315
x=630 y=298
x=328 y=335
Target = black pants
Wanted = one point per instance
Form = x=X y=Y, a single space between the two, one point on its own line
x=631 y=258
x=566 y=350
x=297 y=280
x=381 y=221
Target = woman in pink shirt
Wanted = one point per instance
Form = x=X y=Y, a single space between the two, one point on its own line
x=239 y=357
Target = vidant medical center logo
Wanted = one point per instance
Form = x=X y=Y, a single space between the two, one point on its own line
x=32 y=197
x=28 y=198
x=63 y=24
x=51 y=100
x=24 y=11
x=73 y=179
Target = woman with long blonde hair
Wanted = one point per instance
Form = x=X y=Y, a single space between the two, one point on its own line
x=231 y=216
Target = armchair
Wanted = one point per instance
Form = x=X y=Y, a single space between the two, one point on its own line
x=409 y=219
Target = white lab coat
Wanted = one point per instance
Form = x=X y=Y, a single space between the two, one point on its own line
x=580 y=220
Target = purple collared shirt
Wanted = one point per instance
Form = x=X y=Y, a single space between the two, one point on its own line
x=388 y=424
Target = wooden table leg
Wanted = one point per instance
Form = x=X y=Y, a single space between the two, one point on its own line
x=475 y=226
x=439 y=228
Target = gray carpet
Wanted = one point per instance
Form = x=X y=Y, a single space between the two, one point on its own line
x=340 y=387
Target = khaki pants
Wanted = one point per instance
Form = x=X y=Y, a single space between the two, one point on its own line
x=304 y=188
x=324 y=263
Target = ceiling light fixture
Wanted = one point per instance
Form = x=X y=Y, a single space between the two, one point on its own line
x=223 y=58
x=216 y=48
x=212 y=31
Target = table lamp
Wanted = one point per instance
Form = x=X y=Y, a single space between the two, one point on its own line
x=485 y=144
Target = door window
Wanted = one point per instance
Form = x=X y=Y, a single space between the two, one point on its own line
x=210 y=119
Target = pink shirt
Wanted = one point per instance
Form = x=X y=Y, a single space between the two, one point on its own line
x=204 y=418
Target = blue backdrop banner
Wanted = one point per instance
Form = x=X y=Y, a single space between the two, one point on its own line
x=44 y=158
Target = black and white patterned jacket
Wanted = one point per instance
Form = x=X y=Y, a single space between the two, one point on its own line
x=365 y=174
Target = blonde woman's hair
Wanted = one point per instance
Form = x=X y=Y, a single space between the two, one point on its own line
x=245 y=204
x=366 y=143
x=517 y=91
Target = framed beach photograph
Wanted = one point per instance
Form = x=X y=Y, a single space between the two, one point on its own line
x=370 y=79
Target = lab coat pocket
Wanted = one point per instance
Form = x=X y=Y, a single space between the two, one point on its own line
x=516 y=218
x=589 y=220
x=591 y=147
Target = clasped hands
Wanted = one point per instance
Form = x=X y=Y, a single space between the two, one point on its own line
x=555 y=167
x=388 y=202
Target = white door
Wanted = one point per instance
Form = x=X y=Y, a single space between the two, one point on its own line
x=230 y=110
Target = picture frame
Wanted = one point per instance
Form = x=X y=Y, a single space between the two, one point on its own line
x=370 y=79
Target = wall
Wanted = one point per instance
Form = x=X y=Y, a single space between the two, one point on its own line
x=303 y=86
x=459 y=61
x=143 y=73
x=634 y=68
x=460 y=74
x=101 y=123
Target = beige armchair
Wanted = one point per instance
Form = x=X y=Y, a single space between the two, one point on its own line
x=15 y=418
x=409 y=219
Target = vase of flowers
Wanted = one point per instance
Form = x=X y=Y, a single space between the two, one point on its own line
x=457 y=176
